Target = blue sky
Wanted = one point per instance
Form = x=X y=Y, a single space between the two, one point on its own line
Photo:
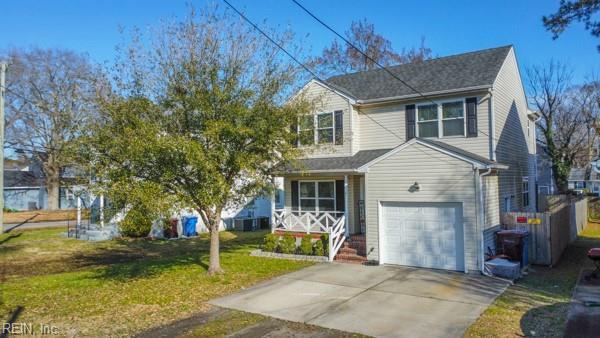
x=449 y=27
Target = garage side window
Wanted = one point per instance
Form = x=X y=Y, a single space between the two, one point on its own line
x=525 y=187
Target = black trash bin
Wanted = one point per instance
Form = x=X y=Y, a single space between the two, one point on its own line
x=513 y=243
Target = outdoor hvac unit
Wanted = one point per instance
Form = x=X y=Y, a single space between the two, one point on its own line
x=251 y=224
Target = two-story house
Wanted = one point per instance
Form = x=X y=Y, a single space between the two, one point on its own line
x=414 y=175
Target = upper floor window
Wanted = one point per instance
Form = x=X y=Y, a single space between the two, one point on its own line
x=325 y=128
x=306 y=130
x=447 y=119
x=453 y=118
x=322 y=128
x=428 y=120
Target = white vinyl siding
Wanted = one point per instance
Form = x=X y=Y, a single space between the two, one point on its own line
x=328 y=101
x=442 y=179
x=373 y=135
x=491 y=200
x=512 y=142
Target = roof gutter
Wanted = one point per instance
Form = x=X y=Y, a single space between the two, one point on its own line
x=324 y=171
x=420 y=95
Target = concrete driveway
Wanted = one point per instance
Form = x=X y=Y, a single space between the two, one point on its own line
x=381 y=301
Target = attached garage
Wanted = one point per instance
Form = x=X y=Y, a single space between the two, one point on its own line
x=426 y=235
x=424 y=206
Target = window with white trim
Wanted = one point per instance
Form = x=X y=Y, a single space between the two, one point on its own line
x=317 y=195
x=427 y=120
x=441 y=120
x=306 y=130
x=319 y=129
x=453 y=118
x=525 y=192
x=325 y=128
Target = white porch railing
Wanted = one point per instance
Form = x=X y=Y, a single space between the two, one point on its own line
x=331 y=222
x=337 y=236
x=305 y=221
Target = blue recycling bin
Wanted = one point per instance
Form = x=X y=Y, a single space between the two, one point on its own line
x=189 y=226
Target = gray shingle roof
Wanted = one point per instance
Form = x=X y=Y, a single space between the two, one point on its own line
x=473 y=69
x=335 y=163
x=351 y=163
x=17 y=178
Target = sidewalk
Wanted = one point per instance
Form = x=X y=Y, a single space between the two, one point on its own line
x=583 y=319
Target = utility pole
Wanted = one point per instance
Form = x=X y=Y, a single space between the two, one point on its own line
x=2 y=91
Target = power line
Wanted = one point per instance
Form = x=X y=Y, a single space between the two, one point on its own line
x=363 y=53
x=370 y=58
x=311 y=72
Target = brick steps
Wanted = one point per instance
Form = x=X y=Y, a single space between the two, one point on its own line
x=353 y=250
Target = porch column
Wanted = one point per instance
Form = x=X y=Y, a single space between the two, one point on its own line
x=79 y=212
x=273 y=210
x=102 y=211
x=346 y=227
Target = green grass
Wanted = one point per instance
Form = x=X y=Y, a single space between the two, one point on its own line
x=121 y=287
x=537 y=305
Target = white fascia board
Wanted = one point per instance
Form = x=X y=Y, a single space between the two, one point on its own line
x=324 y=85
x=312 y=172
x=413 y=96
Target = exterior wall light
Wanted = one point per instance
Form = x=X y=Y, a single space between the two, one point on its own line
x=415 y=187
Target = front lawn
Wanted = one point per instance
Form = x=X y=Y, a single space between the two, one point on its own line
x=121 y=287
x=537 y=305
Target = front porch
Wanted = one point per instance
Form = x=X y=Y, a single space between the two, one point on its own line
x=325 y=204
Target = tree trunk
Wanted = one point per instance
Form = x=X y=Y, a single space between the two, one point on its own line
x=214 y=265
x=561 y=179
x=53 y=188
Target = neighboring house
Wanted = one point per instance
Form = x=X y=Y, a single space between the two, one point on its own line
x=585 y=179
x=415 y=181
x=25 y=189
x=578 y=178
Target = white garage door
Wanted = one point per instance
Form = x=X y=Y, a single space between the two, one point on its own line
x=423 y=234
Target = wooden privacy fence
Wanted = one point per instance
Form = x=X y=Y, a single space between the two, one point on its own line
x=549 y=232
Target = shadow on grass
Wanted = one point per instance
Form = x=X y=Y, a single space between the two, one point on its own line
x=131 y=259
x=545 y=321
x=548 y=290
x=10 y=237
x=12 y=319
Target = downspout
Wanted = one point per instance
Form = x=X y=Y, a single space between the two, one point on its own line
x=481 y=217
x=492 y=126
x=351 y=131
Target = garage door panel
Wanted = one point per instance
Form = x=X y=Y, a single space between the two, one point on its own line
x=423 y=234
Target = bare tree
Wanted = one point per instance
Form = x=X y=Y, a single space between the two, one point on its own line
x=339 y=58
x=586 y=98
x=567 y=120
x=50 y=99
